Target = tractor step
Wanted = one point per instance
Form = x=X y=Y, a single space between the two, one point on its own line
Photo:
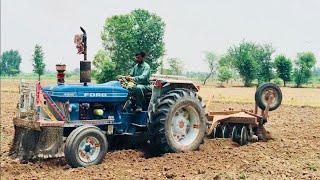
x=138 y=125
x=127 y=133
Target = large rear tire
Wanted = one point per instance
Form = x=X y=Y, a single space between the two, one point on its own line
x=178 y=122
x=85 y=146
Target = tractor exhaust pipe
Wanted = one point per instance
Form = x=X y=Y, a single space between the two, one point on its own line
x=85 y=66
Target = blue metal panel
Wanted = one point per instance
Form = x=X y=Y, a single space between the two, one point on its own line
x=75 y=93
x=141 y=118
x=111 y=93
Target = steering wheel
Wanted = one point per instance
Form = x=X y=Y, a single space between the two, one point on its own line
x=125 y=83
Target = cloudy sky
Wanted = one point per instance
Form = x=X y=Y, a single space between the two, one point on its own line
x=192 y=27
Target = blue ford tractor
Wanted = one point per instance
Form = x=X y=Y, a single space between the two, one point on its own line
x=77 y=120
x=80 y=121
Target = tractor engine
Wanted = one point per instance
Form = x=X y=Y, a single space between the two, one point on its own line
x=91 y=102
x=93 y=110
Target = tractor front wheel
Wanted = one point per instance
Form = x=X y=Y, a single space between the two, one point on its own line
x=85 y=146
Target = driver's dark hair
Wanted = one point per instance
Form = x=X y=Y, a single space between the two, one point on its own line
x=142 y=54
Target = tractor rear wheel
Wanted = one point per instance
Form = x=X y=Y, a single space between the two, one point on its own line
x=85 y=146
x=178 y=123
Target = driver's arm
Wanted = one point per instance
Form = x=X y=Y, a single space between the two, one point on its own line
x=132 y=72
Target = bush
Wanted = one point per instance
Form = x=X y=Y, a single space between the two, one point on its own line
x=304 y=63
x=244 y=61
x=277 y=81
x=224 y=74
x=283 y=66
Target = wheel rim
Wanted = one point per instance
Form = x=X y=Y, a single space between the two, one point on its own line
x=185 y=125
x=89 y=149
x=265 y=95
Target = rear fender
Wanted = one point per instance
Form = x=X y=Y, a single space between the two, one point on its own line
x=162 y=86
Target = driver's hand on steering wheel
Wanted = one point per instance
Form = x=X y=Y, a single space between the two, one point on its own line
x=128 y=78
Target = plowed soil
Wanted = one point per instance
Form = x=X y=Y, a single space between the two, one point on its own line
x=294 y=153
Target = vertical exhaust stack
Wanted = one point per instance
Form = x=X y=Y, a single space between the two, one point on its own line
x=85 y=66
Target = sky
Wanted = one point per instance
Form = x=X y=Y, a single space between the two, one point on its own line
x=192 y=27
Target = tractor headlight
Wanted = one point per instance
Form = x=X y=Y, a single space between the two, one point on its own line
x=98 y=112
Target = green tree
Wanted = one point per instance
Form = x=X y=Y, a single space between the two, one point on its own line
x=105 y=69
x=263 y=57
x=125 y=35
x=10 y=63
x=228 y=61
x=304 y=64
x=175 y=67
x=38 y=64
x=161 y=68
x=211 y=60
x=316 y=74
x=245 y=61
x=224 y=74
x=283 y=67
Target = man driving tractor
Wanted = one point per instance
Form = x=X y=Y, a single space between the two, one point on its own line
x=140 y=74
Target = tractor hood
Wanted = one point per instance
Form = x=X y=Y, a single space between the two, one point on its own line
x=108 y=92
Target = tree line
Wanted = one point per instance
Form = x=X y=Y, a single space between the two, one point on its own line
x=11 y=60
x=140 y=30
x=254 y=61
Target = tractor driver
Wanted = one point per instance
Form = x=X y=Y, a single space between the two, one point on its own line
x=141 y=75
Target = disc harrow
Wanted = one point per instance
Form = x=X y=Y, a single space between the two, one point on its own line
x=245 y=126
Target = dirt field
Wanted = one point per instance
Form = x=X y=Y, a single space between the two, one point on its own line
x=293 y=154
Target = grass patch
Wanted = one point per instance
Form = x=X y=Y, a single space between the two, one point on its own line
x=313 y=166
x=233 y=99
x=242 y=176
x=10 y=90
